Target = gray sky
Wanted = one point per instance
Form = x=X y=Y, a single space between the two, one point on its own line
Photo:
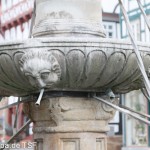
x=108 y=5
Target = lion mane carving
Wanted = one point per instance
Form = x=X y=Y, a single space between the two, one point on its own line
x=41 y=68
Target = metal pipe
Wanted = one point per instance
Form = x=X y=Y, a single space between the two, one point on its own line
x=144 y=14
x=39 y=98
x=17 y=111
x=16 y=103
x=123 y=110
x=136 y=50
x=141 y=114
x=20 y=130
x=32 y=98
x=145 y=93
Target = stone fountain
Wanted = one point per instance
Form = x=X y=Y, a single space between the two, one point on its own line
x=69 y=57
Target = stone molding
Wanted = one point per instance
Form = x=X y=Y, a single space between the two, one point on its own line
x=70 y=114
x=67 y=28
x=65 y=18
x=71 y=141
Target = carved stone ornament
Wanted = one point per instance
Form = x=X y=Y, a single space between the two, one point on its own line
x=55 y=111
x=109 y=109
x=80 y=64
x=69 y=113
x=41 y=68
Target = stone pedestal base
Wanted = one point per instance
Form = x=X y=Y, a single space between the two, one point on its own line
x=71 y=141
x=70 y=123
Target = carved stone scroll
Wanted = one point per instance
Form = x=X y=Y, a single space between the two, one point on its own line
x=70 y=123
x=69 y=113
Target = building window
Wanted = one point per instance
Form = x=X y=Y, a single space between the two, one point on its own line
x=110 y=29
x=136 y=29
x=136 y=132
x=110 y=34
x=116 y=124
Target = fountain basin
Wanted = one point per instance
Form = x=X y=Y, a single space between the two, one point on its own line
x=70 y=64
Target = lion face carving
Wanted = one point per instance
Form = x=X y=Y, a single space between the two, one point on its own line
x=41 y=68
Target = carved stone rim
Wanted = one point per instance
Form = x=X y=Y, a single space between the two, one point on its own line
x=105 y=51
x=67 y=41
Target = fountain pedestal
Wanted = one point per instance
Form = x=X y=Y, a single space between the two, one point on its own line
x=70 y=123
x=69 y=54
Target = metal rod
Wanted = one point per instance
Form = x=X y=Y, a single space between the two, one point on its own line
x=145 y=93
x=17 y=111
x=39 y=98
x=20 y=130
x=32 y=98
x=123 y=110
x=16 y=103
x=144 y=14
x=141 y=114
x=136 y=50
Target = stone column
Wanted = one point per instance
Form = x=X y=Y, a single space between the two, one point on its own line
x=68 y=18
x=70 y=123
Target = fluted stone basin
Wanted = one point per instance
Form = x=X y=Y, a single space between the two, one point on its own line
x=70 y=64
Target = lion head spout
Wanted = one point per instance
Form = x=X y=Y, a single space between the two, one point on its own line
x=41 y=68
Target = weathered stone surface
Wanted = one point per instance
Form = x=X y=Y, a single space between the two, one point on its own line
x=87 y=64
x=70 y=114
x=71 y=141
x=41 y=68
x=70 y=123
x=60 y=18
x=76 y=64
